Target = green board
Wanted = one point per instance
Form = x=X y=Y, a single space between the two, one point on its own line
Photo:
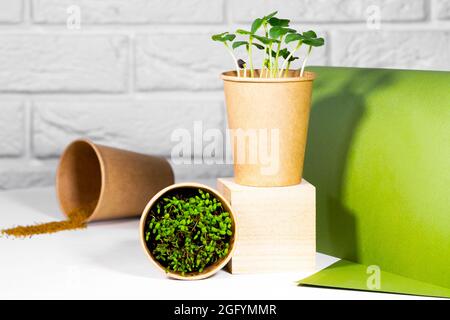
x=379 y=155
x=350 y=275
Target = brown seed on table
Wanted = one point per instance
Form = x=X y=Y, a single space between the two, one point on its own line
x=76 y=220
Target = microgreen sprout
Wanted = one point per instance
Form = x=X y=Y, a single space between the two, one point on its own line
x=275 y=33
x=226 y=37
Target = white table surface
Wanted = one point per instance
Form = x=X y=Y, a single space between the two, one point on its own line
x=105 y=261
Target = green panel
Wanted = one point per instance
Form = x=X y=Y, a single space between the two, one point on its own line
x=379 y=155
x=349 y=275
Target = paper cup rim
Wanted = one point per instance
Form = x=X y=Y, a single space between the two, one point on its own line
x=215 y=267
x=231 y=76
x=93 y=146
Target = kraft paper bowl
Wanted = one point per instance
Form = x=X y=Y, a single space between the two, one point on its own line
x=112 y=183
x=209 y=271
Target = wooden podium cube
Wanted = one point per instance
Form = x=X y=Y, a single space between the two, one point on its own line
x=276 y=227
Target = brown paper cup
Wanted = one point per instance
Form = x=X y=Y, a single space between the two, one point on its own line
x=114 y=183
x=275 y=105
x=211 y=270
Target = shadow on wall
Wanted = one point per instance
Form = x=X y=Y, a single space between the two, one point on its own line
x=338 y=108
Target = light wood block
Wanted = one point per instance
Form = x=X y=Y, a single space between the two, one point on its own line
x=276 y=227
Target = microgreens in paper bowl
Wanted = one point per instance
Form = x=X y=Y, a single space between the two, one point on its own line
x=188 y=230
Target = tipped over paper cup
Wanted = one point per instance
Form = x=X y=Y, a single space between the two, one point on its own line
x=113 y=183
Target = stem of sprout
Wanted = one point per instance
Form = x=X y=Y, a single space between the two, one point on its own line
x=277 y=55
x=270 y=59
x=250 y=59
x=305 y=60
x=266 y=47
x=234 y=58
x=290 y=56
x=287 y=69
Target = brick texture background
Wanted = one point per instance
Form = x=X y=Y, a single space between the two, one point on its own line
x=138 y=69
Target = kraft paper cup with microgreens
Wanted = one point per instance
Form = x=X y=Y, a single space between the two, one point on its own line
x=280 y=107
x=210 y=270
x=112 y=183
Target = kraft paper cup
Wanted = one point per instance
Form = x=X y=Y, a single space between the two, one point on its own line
x=209 y=271
x=259 y=104
x=114 y=183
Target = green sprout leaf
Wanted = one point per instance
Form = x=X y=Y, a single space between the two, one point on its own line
x=279 y=22
x=257 y=45
x=230 y=37
x=285 y=53
x=238 y=44
x=219 y=36
x=293 y=37
x=278 y=32
x=269 y=16
x=256 y=25
x=309 y=34
x=265 y=40
x=223 y=37
x=243 y=32
x=317 y=42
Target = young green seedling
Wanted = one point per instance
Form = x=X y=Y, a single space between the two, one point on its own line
x=292 y=37
x=251 y=35
x=248 y=47
x=286 y=55
x=312 y=41
x=254 y=28
x=224 y=38
x=238 y=44
x=267 y=60
x=268 y=43
x=243 y=65
x=276 y=31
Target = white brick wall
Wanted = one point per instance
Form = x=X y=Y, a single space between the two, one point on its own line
x=174 y=61
x=330 y=10
x=63 y=63
x=12 y=132
x=136 y=125
x=443 y=10
x=138 y=69
x=11 y=11
x=393 y=49
x=131 y=11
